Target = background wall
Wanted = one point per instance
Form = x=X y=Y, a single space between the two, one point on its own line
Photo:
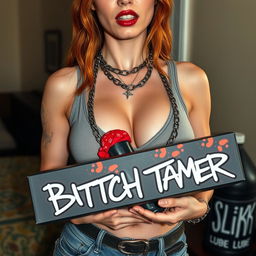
x=31 y=44
x=10 y=72
x=223 y=44
x=57 y=15
x=22 y=25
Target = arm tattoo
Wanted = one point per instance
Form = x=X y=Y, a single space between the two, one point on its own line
x=47 y=134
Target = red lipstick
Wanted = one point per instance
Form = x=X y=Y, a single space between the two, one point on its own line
x=127 y=18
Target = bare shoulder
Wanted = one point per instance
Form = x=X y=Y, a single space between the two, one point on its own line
x=194 y=85
x=62 y=81
x=192 y=76
x=60 y=87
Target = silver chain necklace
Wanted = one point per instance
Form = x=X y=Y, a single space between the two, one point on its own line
x=133 y=80
x=90 y=107
x=107 y=69
x=118 y=71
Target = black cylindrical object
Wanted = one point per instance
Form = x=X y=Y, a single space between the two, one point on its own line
x=231 y=223
x=122 y=148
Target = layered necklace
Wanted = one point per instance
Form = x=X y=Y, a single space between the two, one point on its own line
x=107 y=69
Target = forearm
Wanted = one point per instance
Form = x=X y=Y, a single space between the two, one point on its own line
x=205 y=195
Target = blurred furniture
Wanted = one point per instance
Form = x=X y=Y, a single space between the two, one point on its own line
x=7 y=142
x=23 y=121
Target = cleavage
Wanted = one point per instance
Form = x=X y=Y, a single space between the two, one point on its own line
x=142 y=116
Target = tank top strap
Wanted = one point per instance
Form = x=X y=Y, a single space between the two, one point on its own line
x=175 y=84
x=78 y=101
x=79 y=77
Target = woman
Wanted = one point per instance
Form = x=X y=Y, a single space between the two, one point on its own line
x=118 y=73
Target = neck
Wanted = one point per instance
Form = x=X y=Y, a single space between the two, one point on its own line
x=124 y=54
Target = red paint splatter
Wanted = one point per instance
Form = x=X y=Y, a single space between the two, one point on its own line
x=179 y=151
x=162 y=153
x=210 y=142
x=223 y=142
x=113 y=168
x=97 y=167
x=207 y=142
x=175 y=153
x=180 y=147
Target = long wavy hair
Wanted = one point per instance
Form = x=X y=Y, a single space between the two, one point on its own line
x=88 y=38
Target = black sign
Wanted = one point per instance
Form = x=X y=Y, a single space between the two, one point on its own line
x=137 y=178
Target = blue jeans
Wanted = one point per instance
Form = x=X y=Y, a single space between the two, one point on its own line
x=74 y=243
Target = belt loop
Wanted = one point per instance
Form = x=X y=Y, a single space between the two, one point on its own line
x=161 y=247
x=98 y=242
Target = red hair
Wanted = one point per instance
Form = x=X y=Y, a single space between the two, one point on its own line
x=87 y=38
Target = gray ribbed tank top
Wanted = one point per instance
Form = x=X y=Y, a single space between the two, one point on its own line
x=82 y=143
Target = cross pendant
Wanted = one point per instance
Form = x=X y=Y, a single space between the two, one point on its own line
x=127 y=94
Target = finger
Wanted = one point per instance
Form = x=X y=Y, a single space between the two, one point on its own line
x=104 y=215
x=181 y=202
x=167 y=202
x=159 y=217
x=187 y=207
x=124 y=212
x=127 y=213
x=109 y=213
x=140 y=216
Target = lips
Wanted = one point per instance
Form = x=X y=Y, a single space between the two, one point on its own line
x=127 y=18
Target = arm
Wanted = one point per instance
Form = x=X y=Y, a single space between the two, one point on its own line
x=55 y=103
x=196 y=93
x=194 y=87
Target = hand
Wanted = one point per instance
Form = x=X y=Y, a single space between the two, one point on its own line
x=113 y=219
x=177 y=209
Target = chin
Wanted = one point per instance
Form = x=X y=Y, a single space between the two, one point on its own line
x=129 y=35
x=126 y=37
